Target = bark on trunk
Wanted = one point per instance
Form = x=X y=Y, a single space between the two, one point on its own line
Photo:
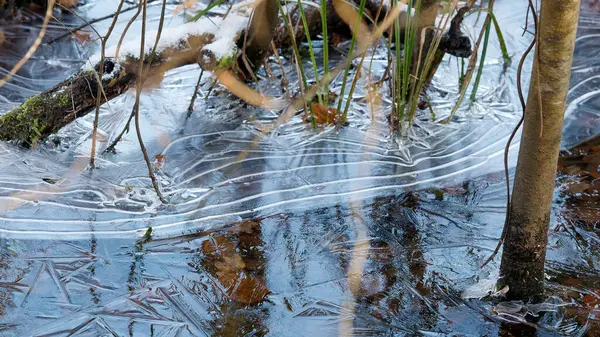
x=523 y=258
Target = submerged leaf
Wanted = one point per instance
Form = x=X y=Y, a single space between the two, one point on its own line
x=236 y=261
x=324 y=115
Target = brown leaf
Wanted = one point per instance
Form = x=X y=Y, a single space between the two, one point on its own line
x=159 y=160
x=324 y=115
x=236 y=262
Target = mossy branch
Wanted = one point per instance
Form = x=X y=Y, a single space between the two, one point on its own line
x=49 y=111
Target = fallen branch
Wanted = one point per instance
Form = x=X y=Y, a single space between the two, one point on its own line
x=49 y=111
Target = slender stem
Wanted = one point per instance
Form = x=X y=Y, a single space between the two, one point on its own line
x=193 y=100
x=100 y=88
x=136 y=106
x=96 y=20
x=469 y=73
x=111 y=147
x=129 y=23
x=34 y=46
x=325 y=48
x=287 y=22
x=205 y=10
x=432 y=59
x=284 y=79
x=409 y=42
x=310 y=47
x=486 y=39
x=355 y=80
x=505 y=56
x=352 y=42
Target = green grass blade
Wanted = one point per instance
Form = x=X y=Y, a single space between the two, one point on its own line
x=310 y=47
x=298 y=58
x=325 y=48
x=486 y=39
x=206 y=10
x=361 y=10
x=505 y=56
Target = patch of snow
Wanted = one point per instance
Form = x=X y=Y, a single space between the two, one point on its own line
x=223 y=45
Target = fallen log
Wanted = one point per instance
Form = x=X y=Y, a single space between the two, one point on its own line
x=45 y=113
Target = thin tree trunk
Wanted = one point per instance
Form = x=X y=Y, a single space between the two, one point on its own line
x=523 y=258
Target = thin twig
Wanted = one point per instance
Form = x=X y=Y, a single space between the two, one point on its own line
x=129 y=23
x=136 y=107
x=77 y=15
x=243 y=56
x=100 y=87
x=34 y=46
x=91 y=22
x=210 y=89
x=193 y=100
x=284 y=80
x=111 y=147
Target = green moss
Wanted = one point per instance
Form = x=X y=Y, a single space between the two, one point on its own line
x=145 y=239
x=32 y=104
x=23 y=123
x=63 y=98
x=226 y=61
x=36 y=131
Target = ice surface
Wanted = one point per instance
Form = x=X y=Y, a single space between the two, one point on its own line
x=264 y=246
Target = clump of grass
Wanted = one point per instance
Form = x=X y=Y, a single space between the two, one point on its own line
x=414 y=50
x=504 y=50
x=325 y=46
x=352 y=42
x=312 y=52
x=300 y=67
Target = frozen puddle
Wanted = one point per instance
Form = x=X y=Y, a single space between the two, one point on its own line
x=265 y=245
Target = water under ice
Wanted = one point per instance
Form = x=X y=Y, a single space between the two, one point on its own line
x=314 y=233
